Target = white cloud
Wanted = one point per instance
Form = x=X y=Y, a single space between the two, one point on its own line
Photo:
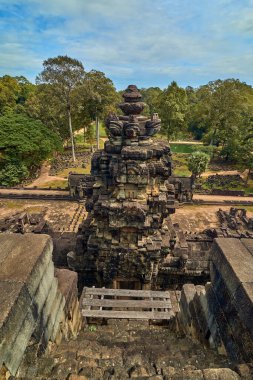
x=147 y=40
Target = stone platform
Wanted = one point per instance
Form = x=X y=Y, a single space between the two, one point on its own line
x=220 y=313
x=34 y=308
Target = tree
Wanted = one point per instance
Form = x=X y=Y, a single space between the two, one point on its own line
x=9 y=90
x=150 y=96
x=53 y=114
x=14 y=92
x=172 y=109
x=241 y=147
x=64 y=75
x=97 y=97
x=26 y=88
x=24 y=144
x=198 y=110
x=198 y=162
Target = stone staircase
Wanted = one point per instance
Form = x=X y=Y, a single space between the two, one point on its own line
x=77 y=218
x=125 y=349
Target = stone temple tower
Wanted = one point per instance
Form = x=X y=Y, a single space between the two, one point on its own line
x=128 y=232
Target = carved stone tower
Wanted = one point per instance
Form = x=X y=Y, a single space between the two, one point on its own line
x=128 y=232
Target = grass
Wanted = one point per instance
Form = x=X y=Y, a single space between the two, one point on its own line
x=102 y=131
x=11 y=204
x=34 y=209
x=182 y=148
x=249 y=188
x=180 y=165
x=58 y=184
x=249 y=208
x=65 y=172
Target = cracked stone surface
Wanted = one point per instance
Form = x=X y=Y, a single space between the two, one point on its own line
x=136 y=350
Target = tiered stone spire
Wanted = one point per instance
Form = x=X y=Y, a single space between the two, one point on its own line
x=128 y=231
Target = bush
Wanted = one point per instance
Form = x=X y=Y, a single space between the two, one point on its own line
x=198 y=162
x=24 y=144
x=13 y=173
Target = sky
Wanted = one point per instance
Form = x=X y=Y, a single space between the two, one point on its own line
x=142 y=42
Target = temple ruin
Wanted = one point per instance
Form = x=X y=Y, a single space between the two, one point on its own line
x=158 y=303
x=128 y=240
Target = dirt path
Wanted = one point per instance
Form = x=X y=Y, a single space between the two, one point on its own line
x=34 y=191
x=187 y=142
x=44 y=177
x=226 y=172
x=221 y=198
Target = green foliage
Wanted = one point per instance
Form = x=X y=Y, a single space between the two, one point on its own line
x=13 y=173
x=198 y=162
x=14 y=91
x=172 y=107
x=211 y=150
x=63 y=75
x=24 y=144
x=150 y=96
x=180 y=165
x=97 y=96
x=49 y=109
x=92 y=328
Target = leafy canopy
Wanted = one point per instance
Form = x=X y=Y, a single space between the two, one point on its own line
x=63 y=73
x=172 y=107
x=24 y=144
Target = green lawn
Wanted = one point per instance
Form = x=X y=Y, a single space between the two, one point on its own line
x=182 y=148
x=65 y=172
x=102 y=132
x=55 y=185
x=249 y=188
x=180 y=165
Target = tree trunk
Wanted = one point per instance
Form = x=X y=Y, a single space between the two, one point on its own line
x=71 y=135
x=84 y=134
x=248 y=176
x=97 y=132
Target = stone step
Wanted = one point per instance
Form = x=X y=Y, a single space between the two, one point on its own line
x=118 y=351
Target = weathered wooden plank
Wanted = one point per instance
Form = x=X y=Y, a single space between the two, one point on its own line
x=127 y=303
x=128 y=314
x=128 y=293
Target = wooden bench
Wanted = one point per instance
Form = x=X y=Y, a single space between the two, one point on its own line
x=126 y=304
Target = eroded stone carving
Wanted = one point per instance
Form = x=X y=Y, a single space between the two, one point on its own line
x=128 y=233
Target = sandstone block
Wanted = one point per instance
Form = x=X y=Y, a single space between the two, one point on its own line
x=220 y=374
x=228 y=255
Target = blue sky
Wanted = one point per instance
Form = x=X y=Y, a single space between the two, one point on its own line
x=145 y=42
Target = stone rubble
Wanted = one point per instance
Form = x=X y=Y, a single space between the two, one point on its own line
x=129 y=349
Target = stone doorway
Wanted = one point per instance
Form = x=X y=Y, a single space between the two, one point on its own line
x=127 y=284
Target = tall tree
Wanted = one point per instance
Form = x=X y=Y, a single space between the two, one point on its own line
x=98 y=95
x=218 y=109
x=52 y=113
x=150 y=96
x=64 y=75
x=172 y=109
x=97 y=98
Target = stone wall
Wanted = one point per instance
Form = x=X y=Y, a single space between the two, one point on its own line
x=37 y=307
x=220 y=314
